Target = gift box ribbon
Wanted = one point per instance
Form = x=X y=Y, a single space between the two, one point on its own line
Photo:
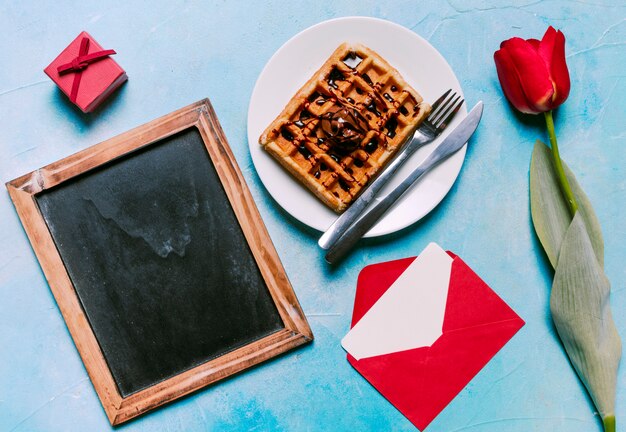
x=80 y=63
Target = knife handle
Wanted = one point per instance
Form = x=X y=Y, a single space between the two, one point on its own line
x=343 y=222
x=363 y=225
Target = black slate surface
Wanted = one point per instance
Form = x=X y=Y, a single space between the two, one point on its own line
x=159 y=261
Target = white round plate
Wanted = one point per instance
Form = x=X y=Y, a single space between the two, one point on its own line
x=294 y=63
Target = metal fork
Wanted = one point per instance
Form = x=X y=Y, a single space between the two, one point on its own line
x=443 y=111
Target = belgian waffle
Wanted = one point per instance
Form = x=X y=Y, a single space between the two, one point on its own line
x=344 y=124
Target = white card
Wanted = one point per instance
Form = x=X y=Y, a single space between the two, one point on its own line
x=410 y=313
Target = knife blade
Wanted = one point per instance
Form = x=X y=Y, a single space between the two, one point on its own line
x=450 y=145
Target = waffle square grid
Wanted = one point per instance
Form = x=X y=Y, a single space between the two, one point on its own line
x=344 y=124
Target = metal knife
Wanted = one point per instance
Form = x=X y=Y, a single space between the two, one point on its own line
x=347 y=218
x=450 y=145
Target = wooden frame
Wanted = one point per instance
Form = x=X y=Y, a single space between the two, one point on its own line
x=200 y=115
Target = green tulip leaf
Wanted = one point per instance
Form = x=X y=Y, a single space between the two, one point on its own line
x=580 y=308
x=549 y=209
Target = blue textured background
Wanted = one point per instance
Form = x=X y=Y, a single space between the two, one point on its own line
x=177 y=52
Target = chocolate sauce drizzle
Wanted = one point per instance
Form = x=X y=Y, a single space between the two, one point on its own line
x=371 y=106
x=344 y=127
x=391 y=126
x=286 y=134
x=371 y=146
x=304 y=151
x=343 y=185
x=333 y=76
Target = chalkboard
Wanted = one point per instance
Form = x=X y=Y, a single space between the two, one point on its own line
x=152 y=236
x=160 y=259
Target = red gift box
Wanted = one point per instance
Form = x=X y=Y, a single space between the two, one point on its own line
x=86 y=73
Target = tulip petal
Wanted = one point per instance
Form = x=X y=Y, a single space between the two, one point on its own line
x=552 y=51
x=532 y=72
x=534 y=42
x=509 y=80
x=546 y=46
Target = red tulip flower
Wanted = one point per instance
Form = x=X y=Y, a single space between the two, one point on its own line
x=533 y=73
x=534 y=77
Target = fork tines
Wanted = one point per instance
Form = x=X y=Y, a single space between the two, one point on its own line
x=443 y=110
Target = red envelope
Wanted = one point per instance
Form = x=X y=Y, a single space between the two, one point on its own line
x=421 y=382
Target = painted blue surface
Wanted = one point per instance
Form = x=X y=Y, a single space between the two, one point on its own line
x=177 y=52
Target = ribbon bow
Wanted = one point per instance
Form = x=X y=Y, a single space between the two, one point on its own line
x=80 y=63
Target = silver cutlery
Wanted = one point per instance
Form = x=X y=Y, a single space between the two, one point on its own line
x=443 y=111
x=450 y=145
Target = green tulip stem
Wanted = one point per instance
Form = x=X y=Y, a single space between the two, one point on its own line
x=609 y=423
x=556 y=157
